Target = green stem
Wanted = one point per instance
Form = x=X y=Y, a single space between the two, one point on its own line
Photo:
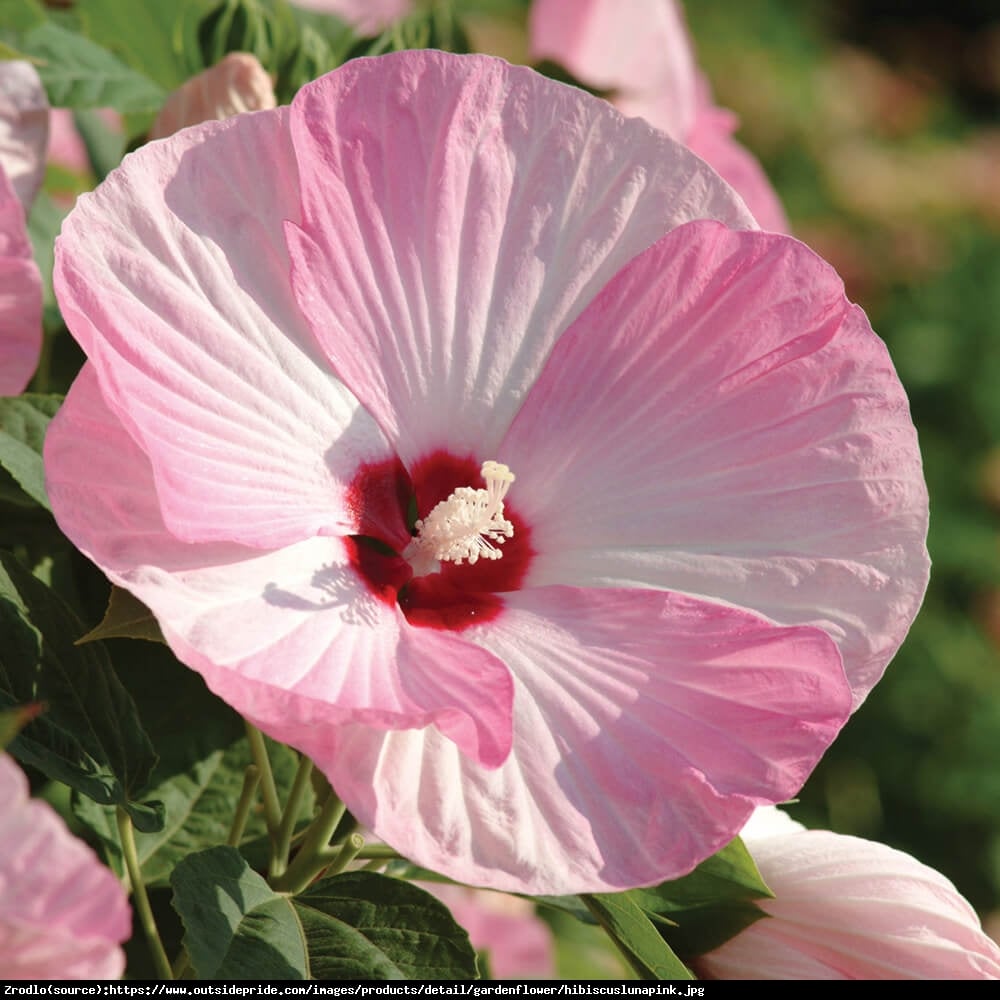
x=347 y=853
x=145 y=911
x=269 y=792
x=181 y=964
x=272 y=811
x=292 y=808
x=381 y=852
x=310 y=860
x=251 y=779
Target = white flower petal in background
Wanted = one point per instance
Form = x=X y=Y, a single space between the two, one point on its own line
x=847 y=908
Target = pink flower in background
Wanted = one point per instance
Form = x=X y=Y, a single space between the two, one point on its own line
x=666 y=480
x=66 y=145
x=640 y=51
x=63 y=915
x=518 y=944
x=235 y=84
x=369 y=17
x=847 y=908
x=24 y=128
x=24 y=116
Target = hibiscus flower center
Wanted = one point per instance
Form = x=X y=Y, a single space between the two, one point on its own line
x=469 y=525
x=440 y=548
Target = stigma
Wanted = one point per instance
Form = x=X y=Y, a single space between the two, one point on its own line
x=466 y=527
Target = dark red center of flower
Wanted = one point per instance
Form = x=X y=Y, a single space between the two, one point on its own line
x=386 y=500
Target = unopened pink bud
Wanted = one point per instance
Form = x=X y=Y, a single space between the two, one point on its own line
x=236 y=84
x=847 y=908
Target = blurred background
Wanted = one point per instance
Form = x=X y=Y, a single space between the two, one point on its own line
x=879 y=124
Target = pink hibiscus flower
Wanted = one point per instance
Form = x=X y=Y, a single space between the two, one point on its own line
x=847 y=908
x=63 y=914
x=24 y=116
x=429 y=275
x=641 y=52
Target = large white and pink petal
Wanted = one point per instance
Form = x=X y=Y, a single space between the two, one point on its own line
x=293 y=638
x=173 y=276
x=20 y=296
x=458 y=213
x=646 y=727
x=722 y=421
x=24 y=128
x=63 y=915
x=846 y=908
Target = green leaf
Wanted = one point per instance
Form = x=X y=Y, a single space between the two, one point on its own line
x=147 y=36
x=188 y=725
x=236 y=926
x=8 y=52
x=360 y=925
x=203 y=757
x=731 y=874
x=266 y=29
x=126 y=618
x=701 y=911
x=696 y=913
x=90 y=736
x=105 y=145
x=23 y=422
x=353 y=926
x=198 y=804
x=44 y=223
x=20 y=15
x=636 y=936
x=77 y=73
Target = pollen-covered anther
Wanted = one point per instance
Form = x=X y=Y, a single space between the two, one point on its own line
x=466 y=527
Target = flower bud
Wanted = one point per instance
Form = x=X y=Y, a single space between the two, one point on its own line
x=238 y=83
x=847 y=908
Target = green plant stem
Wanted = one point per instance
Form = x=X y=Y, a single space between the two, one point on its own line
x=380 y=852
x=311 y=859
x=272 y=811
x=292 y=809
x=347 y=853
x=145 y=911
x=181 y=964
x=251 y=779
x=334 y=860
